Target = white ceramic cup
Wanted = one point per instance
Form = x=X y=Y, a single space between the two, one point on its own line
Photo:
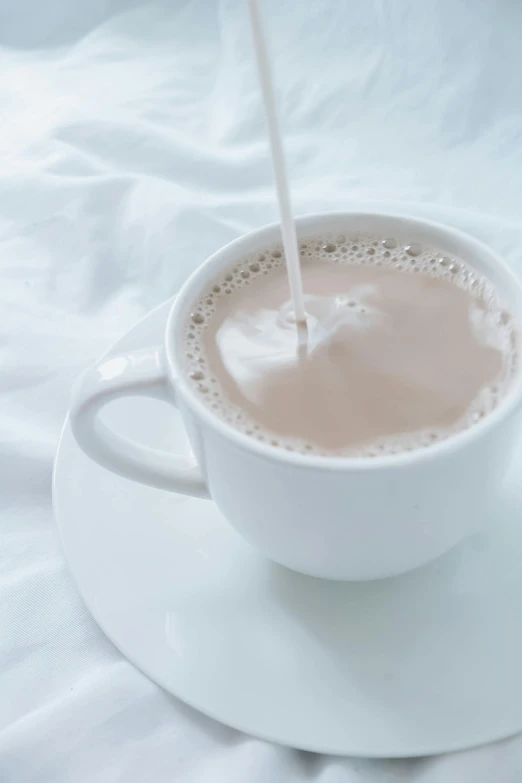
x=339 y=518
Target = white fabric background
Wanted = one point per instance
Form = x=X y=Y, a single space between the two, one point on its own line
x=131 y=145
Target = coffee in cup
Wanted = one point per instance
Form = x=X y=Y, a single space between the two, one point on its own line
x=405 y=346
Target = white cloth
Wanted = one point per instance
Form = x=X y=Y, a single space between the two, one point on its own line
x=131 y=146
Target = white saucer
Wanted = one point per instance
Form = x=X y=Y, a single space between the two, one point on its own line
x=424 y=663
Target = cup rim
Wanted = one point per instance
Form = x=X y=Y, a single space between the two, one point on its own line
x=445 y=447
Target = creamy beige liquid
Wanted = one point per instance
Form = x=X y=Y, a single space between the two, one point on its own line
x=405 y=346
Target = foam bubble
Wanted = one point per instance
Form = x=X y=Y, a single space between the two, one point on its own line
x=414 y=249
x=390 y=252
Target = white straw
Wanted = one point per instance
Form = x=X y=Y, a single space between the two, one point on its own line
x=287 y=220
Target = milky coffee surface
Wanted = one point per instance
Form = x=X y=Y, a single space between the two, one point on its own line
x=404 y=346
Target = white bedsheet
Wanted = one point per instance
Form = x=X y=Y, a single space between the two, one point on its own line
x=131 y=145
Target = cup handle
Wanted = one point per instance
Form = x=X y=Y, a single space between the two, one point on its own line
x=137 y=373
